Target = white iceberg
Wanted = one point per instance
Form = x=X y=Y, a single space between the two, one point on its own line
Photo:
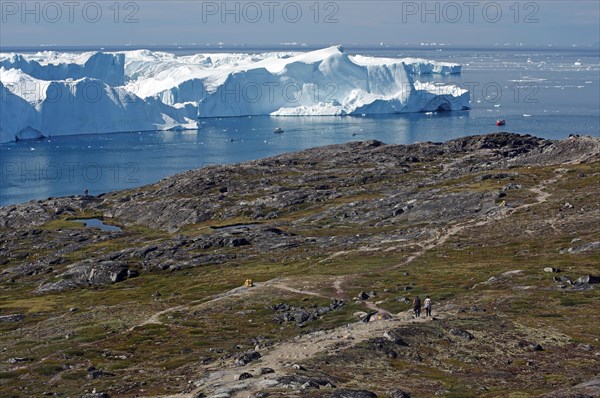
x=48 y=66
x=52 y=93
x=34 y=108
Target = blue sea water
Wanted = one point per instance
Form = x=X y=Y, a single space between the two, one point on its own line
x=545 y=92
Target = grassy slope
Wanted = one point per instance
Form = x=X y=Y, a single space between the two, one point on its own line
x=161 y=358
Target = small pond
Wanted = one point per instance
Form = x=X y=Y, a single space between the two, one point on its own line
x=96 y=223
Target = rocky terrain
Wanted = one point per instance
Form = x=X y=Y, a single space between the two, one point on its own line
x=500 y=230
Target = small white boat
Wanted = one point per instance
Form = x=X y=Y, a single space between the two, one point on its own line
x=278 y=130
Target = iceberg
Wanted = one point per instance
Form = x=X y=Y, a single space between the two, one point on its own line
x=18 y=118
x=105 y=67
x=52 y=93
x=83 y=106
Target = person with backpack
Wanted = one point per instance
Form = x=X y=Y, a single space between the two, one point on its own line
x=427 y=305
x=417 y=306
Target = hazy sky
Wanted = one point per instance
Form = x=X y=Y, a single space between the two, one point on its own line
x=313 y=22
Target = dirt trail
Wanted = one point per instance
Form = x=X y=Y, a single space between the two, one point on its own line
x=283 y=286
x=337 y=285
x=154 y=318
x=222 y=379
x=446 y=233
x=281 y=356
x=277 y=283
x=373 y=306
x=539 y=190
x=441 y=237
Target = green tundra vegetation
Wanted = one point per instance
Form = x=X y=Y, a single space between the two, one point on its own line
x=501 y=231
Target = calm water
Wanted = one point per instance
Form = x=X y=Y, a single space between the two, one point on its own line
x=96 y=223
x=547 y=93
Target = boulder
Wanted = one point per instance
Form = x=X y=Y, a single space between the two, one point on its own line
x=462 y=334
x=530 y=346
x=359 y=314
x=300 y=315
x=394 y=337
x=18 y=360
x=88 y=273
x=398 y=393
x=11 y=318
x=94 y=373
x=588 y=280
x=383 y=346
x=309 y=384
x=346 y=393
x=551 y=269
x=363 y=296
x=244 y=376
x=247 y=357
x=562 y=279
x=369 y=316
x=297 y=381
x=587 y=247
x=237 y=242
x=536 y=347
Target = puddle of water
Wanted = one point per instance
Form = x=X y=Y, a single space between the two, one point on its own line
x=95 y=223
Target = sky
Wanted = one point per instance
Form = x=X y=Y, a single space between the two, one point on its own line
x=271 y=22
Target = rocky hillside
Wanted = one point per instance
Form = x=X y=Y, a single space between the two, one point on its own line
x=500 y=230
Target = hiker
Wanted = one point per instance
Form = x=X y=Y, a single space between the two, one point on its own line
x=417 y=306
x=86 y=192
x=427 y=305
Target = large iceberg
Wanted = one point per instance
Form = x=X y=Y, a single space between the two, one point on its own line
x=101 y=66
x=51 y=93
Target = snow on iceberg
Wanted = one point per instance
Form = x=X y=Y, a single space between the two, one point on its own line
x=108 y=68
x=417 y=66
x=83 y=106
x=52 y=93
x=322 y=82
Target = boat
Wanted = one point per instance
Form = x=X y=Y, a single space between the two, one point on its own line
x=500 y=122
x=278 y=130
